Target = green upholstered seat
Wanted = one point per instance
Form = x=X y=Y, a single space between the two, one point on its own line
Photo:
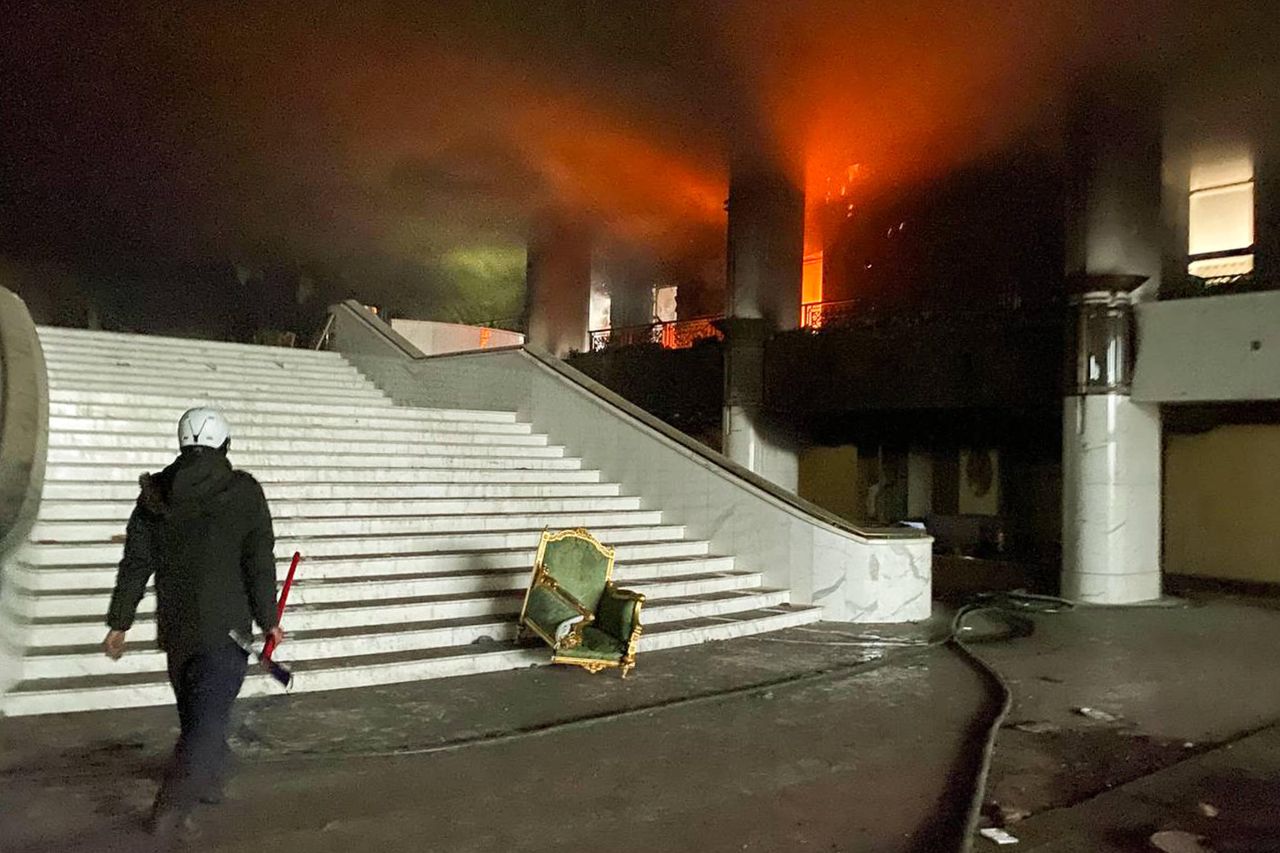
x=574 y=606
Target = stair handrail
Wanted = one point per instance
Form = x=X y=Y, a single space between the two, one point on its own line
x=796 y=504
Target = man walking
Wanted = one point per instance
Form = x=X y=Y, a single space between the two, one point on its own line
x=204 y=531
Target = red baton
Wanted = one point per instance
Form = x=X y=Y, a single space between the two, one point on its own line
x=270 y=645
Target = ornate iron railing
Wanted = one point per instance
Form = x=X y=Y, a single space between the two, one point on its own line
x=816 y=315
x=819 y=316
x=676 y=334
x=837 y=314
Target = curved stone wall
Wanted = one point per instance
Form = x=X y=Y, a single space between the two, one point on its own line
x=24 y=421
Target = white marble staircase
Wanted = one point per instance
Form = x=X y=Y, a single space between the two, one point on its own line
x=418 y=525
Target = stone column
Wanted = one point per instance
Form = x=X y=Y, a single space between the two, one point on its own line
x=558 y=286
x=765 y=261
x=1113 y=221
x=1111 y=446
x=1111 y=456
x=766 y=248
x=631 y=279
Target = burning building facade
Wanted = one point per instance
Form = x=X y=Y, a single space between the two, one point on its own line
x=927 y=382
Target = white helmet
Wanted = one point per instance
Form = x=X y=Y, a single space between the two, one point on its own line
x=203 y=427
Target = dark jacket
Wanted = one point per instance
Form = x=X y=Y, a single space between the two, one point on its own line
x=204 y=531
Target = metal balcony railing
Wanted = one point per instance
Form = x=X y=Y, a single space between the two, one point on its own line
x=675 y=334
x=849 y=313
x=838 y=314
x=817 y=315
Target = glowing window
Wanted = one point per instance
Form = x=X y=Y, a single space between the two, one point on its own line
x=811 y=282
x=1220 y=227
x=664 y=304
x=601 y=305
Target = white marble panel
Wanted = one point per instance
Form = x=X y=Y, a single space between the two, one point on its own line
x=859 y=578
x=1112 y=589
x=755 y=449
x=1111 y=499
x=1109 y=439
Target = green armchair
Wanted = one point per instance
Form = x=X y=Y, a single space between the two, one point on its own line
x=574 y=606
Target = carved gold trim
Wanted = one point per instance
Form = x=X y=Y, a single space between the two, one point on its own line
x=541 y=578
x=591 y=665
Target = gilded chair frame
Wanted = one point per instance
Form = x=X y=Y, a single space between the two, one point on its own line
x=563 y=650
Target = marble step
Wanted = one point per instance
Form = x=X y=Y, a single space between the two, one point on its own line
x=681 y=556
x=493 y=471
x=119 y=510
x=285 y=386
x=62 y=532
x=80 y=603
x=285 y=451
x=299 y=401
x=177 y=372
x=83 y=630
x=241 y=413
x=490 y=487
x=74 y=357
x=81 y=553
x=53 y=338
x=63 y=662
x=181 y=371
x=433 y=469
x=109 y=445
x=59 y=662
x=91 y=432
x=133 y=690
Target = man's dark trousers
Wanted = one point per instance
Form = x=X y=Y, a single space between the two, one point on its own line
x=206 y=684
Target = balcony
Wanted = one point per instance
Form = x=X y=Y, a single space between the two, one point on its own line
x=818 y=315
x=681 y=334
x=675 y=334
x=821 y=317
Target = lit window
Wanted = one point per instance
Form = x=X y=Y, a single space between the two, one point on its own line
x=664 y=304
x=601 y=305
x=811 y=281
x=1220 y=226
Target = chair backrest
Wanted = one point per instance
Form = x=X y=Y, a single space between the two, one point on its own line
x=579 y=564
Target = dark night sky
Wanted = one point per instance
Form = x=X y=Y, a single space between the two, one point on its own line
x=403 y=143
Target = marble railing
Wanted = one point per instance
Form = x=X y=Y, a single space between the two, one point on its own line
x=855 y=574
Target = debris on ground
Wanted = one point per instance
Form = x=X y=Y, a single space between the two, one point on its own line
x=1177 y=841
x=1009 y=815
x=999 y=836
x=1000 y=814
x=1097 y=714
x=1208 y=810
x=1038 y=727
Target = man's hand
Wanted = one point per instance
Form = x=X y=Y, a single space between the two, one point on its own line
x=113 y=645
x=274 y=637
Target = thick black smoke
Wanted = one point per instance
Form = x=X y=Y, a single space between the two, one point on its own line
x=400 y=151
